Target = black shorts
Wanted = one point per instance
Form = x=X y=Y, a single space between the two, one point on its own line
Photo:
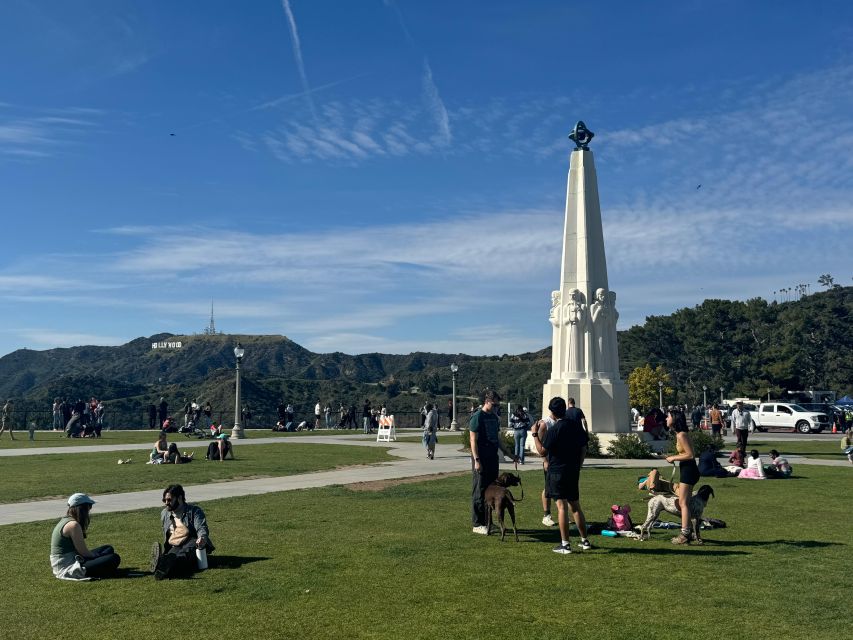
x=688 y=472
x=562 y=484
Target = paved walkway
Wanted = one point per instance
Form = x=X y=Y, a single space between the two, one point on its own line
x=412 y=463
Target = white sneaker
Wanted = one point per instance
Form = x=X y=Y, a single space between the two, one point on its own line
x=548 y=521
x=482 y=530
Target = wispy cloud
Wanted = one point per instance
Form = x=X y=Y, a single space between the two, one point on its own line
x=297 y=54
x=435 y=106
x=40 y=133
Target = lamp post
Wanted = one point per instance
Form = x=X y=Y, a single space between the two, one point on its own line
x=660 y=394
x=704 y=396
x=453 y=369
x=237 y=432
x=721 y=395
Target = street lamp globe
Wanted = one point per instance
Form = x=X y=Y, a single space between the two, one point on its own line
x=238 y=352
x=454 y=367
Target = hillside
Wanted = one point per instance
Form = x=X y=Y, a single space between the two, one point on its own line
x=747 y=347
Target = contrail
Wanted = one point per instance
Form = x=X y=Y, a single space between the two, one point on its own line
x=432 y=98
x=297 y=52
x=293 y=96
x=435 y=105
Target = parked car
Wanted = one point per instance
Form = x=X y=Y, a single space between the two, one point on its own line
x=788 y=416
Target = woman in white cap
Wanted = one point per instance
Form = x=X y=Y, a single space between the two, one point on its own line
x=70 y=558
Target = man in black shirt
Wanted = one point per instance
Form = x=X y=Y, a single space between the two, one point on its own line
x=565 y=445
x=485 y=439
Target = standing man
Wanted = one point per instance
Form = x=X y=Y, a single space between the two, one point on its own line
x=575 y=413
x=485 y=442
x=152 y=416
x=184 y=531
x=317 y=410
x=7 y=419
x=696 y=417
x=327 y=413
x=741 y=419
x=430 y=429
x=565 y=446
x=57 y=415
x=365 y=417
x=162 y=411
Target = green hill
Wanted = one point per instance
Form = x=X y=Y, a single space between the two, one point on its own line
x=747 y=347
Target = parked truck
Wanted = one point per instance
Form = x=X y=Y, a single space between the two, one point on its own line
x=788 y=416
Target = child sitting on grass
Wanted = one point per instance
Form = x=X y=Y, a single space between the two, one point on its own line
x=779 y=467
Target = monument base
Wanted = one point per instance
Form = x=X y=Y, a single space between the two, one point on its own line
x=604 y=402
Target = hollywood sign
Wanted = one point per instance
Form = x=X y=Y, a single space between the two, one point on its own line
x=166 y=345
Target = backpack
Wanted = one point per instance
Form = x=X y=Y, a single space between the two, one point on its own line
x=619 y=519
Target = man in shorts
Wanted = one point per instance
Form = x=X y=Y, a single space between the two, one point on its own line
x=565 y=445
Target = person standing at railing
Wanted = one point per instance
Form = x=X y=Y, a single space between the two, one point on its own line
x=57 y=415
x=7 y=419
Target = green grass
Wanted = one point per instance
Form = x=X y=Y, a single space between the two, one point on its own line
x=56 y=474
x=824 y=449
x=402 y=563
x=56 y=439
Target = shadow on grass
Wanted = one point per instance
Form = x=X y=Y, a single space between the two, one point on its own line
x=691 y=550
x=800 y=544
x=233 y=562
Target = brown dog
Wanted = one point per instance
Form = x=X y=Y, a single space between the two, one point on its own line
x=499 y=498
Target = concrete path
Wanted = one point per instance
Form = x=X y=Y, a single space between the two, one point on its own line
x=412 y=463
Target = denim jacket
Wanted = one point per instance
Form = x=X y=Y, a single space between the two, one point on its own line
x=194 y=520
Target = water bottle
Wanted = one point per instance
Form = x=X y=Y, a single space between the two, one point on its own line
x=201 y=558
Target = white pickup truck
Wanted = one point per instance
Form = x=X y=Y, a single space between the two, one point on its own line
x=784 y=415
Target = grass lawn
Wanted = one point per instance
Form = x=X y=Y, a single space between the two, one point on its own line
x=825 y=449
x=402 y=563
x=54 y=475
x=57 y=439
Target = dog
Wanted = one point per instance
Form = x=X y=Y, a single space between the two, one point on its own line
x=698 y=502
x=500 y=500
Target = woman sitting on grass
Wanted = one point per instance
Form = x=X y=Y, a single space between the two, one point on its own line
x=70 y=558
x=160 y=450
x=779 y=467
x=754 y=468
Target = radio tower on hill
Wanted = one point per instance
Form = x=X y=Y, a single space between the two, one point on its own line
x=210 y=330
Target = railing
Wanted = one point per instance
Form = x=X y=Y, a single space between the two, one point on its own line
x=114 y=419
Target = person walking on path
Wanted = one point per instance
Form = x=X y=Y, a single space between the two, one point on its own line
x=576 y=413
x=7 y=419
x=365 y=417
x=741 y=421
x=716 y=418
x=317 y=410
x=485 y=442
x=184 y=532
x=430 y=429
x=57 y=415
x=520 y=423
x=565 y=445
x=70 y=558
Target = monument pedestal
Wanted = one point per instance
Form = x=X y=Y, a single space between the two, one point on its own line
x=603 y=402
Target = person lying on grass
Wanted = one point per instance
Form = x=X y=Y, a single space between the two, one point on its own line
x=70 y=558
x=220 y=448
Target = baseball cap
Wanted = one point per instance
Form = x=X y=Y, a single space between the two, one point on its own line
x=78 y=499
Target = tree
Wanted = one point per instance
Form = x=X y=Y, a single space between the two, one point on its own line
x=826 y=280
x=643 y=388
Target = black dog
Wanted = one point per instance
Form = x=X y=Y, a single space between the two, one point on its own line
x=499 y=498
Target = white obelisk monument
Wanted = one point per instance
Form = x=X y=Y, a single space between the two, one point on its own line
x=585 y=359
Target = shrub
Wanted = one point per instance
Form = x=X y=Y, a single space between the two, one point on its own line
x=699 y=439
x=593 y=449
x=629 y=445
x=465 y=434
x=508 y=438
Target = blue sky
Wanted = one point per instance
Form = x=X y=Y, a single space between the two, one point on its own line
x=390 y=176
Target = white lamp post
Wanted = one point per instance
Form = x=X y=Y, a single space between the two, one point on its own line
x=721 y=395
x=453 y=369
x=704 y=396
x=237 y=432
x=660 y=394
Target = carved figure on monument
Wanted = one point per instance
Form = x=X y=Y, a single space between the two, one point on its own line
x=614 y=317
x=575 y=317
x=601 y=316
x=556 y=320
